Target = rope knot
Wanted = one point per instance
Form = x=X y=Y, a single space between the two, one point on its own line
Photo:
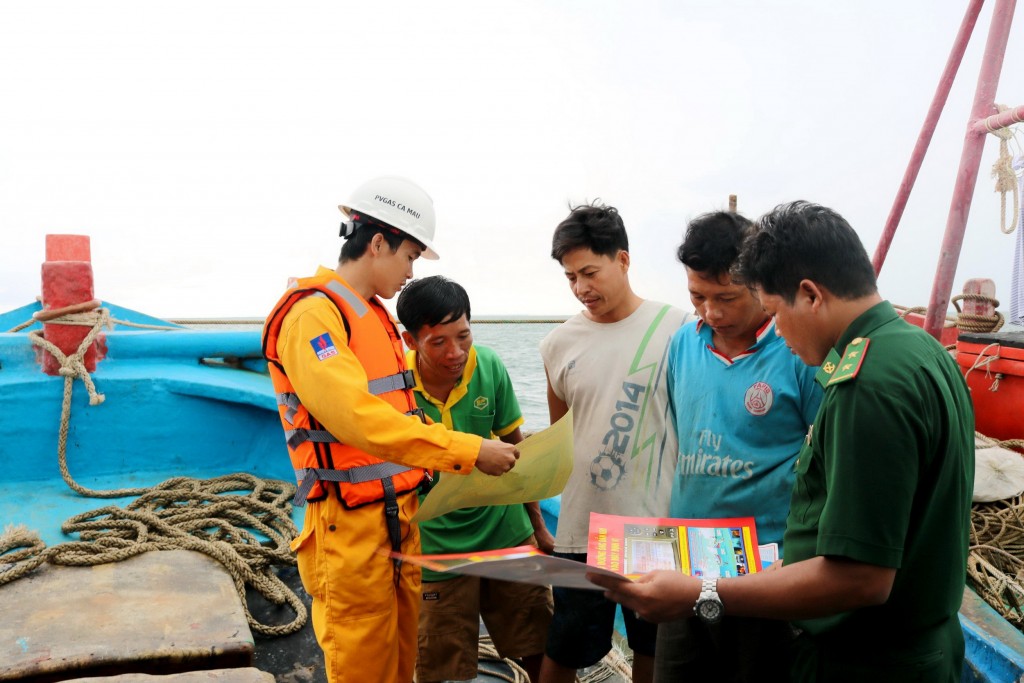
x=1005 y=176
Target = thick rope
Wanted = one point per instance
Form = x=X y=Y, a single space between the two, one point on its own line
x=616 y=662
x=964 y=322
x=487 y=652
x=995 y=561
x=205 y=516
x=1006 y=178
x=982 y=362
x=977 y=323
x=21 y=552
x=72 y=367
x=66 y=316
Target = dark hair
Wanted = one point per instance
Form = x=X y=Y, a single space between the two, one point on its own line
x=363 y=229
x=593 y=226
x=429 y=301
x=798 y=241
x=712 y=242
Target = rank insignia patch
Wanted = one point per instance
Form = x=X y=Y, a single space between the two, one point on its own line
x=324 y=346
x=824 y=373
x=849 y=366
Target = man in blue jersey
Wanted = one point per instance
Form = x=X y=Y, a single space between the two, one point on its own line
x=742 y=404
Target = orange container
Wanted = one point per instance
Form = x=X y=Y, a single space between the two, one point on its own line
x=993 y=364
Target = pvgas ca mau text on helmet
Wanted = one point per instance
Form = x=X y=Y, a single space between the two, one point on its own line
x=400 y=203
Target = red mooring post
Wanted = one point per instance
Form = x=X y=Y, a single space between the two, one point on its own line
x=983 y=308
x=67 y=280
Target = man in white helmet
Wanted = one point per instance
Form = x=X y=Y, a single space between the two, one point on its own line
x=359 y=444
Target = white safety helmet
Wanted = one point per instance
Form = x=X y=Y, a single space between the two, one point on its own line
x=400 y=203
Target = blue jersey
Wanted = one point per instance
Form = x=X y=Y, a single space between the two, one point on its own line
x=740 y=424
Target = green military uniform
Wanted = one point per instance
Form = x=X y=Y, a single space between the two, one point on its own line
x=886 y=478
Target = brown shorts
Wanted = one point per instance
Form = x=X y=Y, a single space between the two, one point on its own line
x=516 y=616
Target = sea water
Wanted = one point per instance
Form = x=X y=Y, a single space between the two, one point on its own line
x=518 y=346
x=516 y=342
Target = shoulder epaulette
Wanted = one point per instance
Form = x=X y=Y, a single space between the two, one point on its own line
x=853 y=357
x=827 y=368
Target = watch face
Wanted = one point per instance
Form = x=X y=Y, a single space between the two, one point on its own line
x=709 y=610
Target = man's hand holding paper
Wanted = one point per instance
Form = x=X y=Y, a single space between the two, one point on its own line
x=544 y=465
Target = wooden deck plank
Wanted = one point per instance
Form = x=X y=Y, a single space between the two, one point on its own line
x=159 y=612
x=240 y=675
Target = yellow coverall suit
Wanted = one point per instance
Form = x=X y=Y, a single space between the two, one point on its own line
x=365 y=623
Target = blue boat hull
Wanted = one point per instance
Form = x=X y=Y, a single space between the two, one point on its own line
x=177 y=403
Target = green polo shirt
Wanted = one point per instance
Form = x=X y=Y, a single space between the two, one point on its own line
x=886 y=478
x=481 y=403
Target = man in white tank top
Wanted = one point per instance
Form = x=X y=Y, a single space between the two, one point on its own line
x=607 y=363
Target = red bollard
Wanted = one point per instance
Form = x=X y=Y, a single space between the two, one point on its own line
x=67 y=281
x=984 y=287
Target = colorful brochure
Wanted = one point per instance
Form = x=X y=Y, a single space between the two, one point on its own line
x=525 y=564
x=633 y=546
x=620 y=547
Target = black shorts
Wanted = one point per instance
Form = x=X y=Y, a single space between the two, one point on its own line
x=735 y=650
x=581 y=629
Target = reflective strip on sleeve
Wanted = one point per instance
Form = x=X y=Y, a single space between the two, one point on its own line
x=352 y=299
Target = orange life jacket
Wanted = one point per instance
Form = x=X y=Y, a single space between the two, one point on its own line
x=317 y=456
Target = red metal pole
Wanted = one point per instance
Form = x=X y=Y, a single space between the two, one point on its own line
x=998 y=121
x=970 y=160
x=924 y=138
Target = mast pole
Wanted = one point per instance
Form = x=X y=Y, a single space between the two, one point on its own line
x=924 y=138
x=970 y=160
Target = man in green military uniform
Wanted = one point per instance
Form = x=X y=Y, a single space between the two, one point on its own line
x=877 y=535
x=467 y=388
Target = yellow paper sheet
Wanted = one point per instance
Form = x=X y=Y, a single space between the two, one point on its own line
x=544 y=465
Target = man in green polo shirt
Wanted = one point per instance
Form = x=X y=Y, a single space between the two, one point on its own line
x=467 y=388
x=877 y=535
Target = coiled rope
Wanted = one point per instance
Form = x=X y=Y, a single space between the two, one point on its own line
x=966 y=322
x=487 y=652
x=616 y=662
x=203 y=515
x=995 y=561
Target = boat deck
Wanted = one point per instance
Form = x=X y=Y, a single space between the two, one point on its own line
x=242 y=675
x=159 y=612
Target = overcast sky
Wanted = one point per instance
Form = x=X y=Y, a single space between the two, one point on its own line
x=205 y=146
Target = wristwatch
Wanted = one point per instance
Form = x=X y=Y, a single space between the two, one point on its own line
x=709 y=606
